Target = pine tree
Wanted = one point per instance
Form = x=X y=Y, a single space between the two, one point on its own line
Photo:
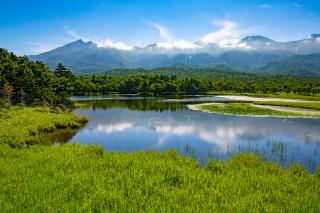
x=62 y=71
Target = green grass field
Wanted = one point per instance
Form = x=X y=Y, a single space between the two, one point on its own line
x=73 y=178
x=20 y=126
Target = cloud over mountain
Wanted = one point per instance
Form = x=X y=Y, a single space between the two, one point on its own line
x=227 y=35
x=250 y=53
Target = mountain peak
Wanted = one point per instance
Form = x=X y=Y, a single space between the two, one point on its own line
x=153 y=45
x=315 y=35
x=256 y=38
x=80 y=43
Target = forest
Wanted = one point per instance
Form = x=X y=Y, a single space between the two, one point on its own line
x=26 y=82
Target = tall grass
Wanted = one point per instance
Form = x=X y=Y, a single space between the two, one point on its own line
x=85 y=178
x=20 y=126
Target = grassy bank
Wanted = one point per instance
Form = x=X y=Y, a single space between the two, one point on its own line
x=279 y=95
x=85 y=178
x=20 y=126
x=243 y=109
x=303 y=105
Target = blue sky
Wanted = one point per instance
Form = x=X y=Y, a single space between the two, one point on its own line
x=31 y=27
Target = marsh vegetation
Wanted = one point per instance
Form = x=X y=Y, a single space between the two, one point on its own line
x=22 y=126
x=86 y=178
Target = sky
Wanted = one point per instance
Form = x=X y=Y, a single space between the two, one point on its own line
x=35 y=26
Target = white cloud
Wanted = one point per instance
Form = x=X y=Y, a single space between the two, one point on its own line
x=265 y=6
x=114 y=128
x=164 y=34
x=228 y=35
x=233 y=43
x=108 y=43
x=297 y=5
x=168 y=42
x=228 y=30
x=180 y=44
x=176 y=130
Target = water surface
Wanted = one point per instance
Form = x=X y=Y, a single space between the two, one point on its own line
x=132 y=124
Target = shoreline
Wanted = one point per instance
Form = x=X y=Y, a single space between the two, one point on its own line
x=197 y=107
x=258 y=99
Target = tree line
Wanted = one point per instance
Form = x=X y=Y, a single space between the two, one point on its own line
x=26 y=82
x=158 y=84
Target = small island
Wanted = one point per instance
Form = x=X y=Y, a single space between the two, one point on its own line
x=262 y=107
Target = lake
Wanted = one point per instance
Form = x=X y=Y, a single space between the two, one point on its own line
x=131 y=124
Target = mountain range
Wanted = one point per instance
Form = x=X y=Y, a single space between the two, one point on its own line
x=250 y=54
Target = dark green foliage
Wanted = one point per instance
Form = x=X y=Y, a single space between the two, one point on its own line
x=32 y=81
x=62 y=71
x=190 y=81
x=299 y=65
x=141 y=84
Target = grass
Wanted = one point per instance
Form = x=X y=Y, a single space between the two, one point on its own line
x=279 y=95
x=244 y=109
x=304 y=105
x=20 y=126
x=75 y=178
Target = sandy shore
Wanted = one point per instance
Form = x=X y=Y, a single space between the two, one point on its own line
x=289 y=109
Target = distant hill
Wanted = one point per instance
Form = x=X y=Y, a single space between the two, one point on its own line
x=182 y=72
x=251 y=54
x=300 y=65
